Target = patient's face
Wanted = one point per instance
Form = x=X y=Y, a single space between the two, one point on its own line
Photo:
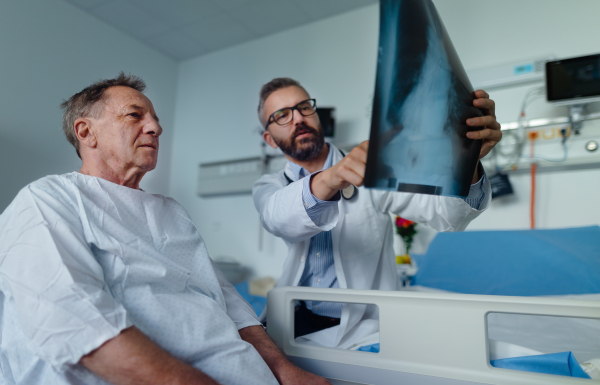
x=128 y=131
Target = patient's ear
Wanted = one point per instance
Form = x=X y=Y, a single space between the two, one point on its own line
x=84 y=133
x=269 y=139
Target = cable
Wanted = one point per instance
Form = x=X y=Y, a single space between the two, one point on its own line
x=533 y=136
x=519 y=134
x=515 y=156
x=532 y=207
x=563 y=131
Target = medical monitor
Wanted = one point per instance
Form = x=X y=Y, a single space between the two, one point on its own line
x=573 y=81
x=327 y=118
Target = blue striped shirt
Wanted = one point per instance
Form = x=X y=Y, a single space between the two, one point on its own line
x=319 y=270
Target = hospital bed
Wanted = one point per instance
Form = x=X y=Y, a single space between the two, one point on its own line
x=440 y=332
x=425 y=338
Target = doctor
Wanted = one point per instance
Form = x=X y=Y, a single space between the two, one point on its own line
x=339 y=235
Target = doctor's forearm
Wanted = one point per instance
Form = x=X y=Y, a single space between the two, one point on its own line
x=321 y=188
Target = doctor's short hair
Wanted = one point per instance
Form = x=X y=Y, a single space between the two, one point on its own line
x=89 y=103
x=272 y=86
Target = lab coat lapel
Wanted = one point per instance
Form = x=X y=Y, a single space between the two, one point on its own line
x=301 y=260
x=351 y=313
x=336 y=231
x=288 y=173
x=300 y=256
x=339 y=271
x=331 y=337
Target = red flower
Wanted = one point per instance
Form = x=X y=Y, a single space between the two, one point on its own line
x=407 y=230
x=401 y=222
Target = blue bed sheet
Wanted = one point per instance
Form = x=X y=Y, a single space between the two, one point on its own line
x=561 y=364
x=257 y=303
x=520 y=263
x=369 y=348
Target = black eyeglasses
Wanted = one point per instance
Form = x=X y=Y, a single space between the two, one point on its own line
x=285 y=115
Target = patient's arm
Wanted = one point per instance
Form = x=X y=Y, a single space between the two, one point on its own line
x=285 y=372
x=131 y=358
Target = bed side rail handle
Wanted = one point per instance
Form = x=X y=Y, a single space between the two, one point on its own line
x=436 y=334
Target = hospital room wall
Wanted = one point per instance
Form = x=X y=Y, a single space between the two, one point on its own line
x=494 y=32
x=216 y=118
x=335 y=59
x=50 y=50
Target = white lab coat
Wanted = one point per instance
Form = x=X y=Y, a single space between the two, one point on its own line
x=361 y=233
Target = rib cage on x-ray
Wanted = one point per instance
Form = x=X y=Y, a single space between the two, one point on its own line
x=423 y=98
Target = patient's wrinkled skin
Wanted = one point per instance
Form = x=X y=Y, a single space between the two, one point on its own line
x=122 y=145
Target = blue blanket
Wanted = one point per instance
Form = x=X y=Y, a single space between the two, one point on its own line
x=257 y=303
x=520 y=263
x=369 y=348
x=560 y=364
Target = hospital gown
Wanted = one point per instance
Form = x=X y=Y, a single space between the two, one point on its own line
x=82 y=258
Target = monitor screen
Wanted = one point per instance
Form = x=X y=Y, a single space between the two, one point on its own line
x=571 y=79
x=327 y=118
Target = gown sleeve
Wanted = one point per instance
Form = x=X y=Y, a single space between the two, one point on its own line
x=48 y=273
x=240 y=311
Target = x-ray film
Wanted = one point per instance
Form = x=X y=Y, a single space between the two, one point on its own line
x=422 y=100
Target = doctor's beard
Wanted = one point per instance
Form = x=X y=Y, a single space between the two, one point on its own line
x=311 y=145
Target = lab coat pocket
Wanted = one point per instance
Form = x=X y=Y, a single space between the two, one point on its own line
x=360 y=235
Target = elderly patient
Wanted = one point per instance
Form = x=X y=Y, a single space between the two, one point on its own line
x=102 y=282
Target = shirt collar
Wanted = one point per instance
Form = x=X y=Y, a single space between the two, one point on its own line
x=300 y=172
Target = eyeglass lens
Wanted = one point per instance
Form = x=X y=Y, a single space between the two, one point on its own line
x=284 y=116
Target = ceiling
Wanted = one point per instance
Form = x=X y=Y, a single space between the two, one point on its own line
x=182 y=29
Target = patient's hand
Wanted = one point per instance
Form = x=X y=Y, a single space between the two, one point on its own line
x=296 y=376
x=131 y=358
x=285 y=372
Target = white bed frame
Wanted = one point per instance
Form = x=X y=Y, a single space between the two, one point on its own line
x=425 y=338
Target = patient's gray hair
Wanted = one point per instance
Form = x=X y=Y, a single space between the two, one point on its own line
x=89 y=103
x=269 y=88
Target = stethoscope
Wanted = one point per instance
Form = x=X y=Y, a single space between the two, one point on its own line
x=348 y=193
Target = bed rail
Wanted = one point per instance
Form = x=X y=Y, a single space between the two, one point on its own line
x=425 y=338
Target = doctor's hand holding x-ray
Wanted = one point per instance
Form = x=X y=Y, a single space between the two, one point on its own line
x=351 y=169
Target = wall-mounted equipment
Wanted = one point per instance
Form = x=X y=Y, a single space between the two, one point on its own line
x=574 y=82
x=509 y=74
x=234 y=176
x=327 y=118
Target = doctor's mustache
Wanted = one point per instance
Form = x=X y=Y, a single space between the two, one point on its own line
x=303 y=128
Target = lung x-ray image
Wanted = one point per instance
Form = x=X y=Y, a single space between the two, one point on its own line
x=423 y=98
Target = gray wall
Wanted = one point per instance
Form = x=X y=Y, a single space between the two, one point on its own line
x=50 y=50
x=335 y=59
